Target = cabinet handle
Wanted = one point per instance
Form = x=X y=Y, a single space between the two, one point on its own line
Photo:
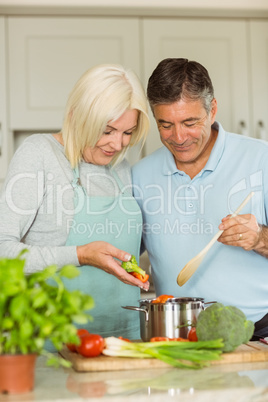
x=243 y=128
x=261 y=132
x=1 y=138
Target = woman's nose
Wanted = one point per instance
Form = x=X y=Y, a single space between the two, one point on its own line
x=117 y=142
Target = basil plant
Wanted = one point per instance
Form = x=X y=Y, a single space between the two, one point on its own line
x=37 y=307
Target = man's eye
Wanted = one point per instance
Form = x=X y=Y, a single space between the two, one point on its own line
x=190 y=124
x=166 y=126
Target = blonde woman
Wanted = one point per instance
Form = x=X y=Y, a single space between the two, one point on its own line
x=67 y=196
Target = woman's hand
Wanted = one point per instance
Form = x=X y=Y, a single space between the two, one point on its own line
x=240 y=231
x=102 y=255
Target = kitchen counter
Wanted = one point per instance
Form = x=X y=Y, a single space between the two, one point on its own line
x=218 y=383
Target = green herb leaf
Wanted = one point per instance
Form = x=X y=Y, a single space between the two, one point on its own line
x=69 y=271
x=38 y=307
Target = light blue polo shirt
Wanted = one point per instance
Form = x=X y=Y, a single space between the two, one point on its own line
x=180 y=216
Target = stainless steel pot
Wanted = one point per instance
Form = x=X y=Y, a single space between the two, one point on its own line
x=172 y=319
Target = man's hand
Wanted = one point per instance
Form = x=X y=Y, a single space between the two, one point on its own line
x=244 y=231
x=102 y=255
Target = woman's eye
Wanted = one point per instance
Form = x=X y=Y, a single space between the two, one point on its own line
x=107 y=132
x=128 y=132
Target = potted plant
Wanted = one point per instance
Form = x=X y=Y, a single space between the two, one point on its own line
x=33 y=309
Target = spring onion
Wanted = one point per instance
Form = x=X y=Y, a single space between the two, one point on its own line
x=193 y=355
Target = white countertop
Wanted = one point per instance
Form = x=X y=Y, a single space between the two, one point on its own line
x=223 y=383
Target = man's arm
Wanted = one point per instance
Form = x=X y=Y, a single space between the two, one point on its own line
x=262 y=243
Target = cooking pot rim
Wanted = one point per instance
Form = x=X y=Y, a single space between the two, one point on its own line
x=175 y=300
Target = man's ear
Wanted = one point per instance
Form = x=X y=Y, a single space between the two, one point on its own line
x=213 y=111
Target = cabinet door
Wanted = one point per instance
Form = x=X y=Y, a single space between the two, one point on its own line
x=48 y=55
x=259 y=68
x=3 y=111
x=220 y=46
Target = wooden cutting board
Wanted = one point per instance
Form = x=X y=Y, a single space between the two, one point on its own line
x=251 y=352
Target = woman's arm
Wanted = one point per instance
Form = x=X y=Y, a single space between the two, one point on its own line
x=22 y=200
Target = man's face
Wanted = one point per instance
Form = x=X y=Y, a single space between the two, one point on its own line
x=185 y=129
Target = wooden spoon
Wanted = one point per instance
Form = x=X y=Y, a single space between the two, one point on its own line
x=194 y=263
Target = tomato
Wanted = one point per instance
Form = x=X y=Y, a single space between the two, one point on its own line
x=192 y=335
x=179 y=339
x=140 y=277
x=159 y=339
x=80 y=332
x=91 y=345
x=71 y=347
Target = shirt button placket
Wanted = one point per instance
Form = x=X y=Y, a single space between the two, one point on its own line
x=190 y=202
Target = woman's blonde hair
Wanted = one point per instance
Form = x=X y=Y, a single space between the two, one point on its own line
x=102 y=94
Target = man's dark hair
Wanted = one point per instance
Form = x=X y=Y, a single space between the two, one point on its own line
x=174 y=79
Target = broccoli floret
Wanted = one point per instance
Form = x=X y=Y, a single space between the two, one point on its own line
x=132 y=266
x=225 y=322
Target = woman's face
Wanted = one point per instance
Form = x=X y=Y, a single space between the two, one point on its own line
x=116 y=136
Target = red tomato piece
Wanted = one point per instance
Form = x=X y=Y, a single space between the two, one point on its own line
x=159 y=339
x=179 y=339
x=162 y=299
x=192 y=335
x=124 y=339
x=91 y=345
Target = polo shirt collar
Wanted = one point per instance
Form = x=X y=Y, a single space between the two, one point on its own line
x=170 y=168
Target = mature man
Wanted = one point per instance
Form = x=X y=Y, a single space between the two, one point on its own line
x=188 y=188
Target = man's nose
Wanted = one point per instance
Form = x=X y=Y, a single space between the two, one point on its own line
x=179 y=134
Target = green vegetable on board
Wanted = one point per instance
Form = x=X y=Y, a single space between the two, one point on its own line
x=224 y=322
x=194 y=355
x=132 y=266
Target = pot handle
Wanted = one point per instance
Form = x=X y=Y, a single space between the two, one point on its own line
x=143 y=310
x=210 y=302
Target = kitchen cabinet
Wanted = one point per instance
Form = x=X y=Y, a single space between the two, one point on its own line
x=3 y=109
x=221 y=46
x=259 y=82
x=48 y=55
